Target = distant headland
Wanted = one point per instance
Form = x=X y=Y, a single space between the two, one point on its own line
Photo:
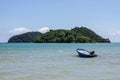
x=75 y=35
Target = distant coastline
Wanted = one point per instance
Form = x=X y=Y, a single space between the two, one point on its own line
x=75 y=35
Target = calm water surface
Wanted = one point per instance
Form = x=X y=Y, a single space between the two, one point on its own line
x=29 y=61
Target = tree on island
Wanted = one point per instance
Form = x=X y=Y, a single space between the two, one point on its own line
x=75 y=35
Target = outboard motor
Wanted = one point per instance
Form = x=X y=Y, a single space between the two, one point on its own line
x=92 y=52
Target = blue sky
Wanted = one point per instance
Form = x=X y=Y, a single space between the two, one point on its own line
x=18 y=16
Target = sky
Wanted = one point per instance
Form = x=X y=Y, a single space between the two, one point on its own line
x=20 y=16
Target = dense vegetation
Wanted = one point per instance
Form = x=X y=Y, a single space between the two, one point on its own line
x=26 y=37
x=75 y=35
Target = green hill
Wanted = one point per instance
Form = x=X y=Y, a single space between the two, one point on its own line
x=75 y=35
x=24 y=38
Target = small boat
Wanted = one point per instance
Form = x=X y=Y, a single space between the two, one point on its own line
x=85 y=54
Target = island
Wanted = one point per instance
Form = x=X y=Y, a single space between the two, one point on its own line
x=75 y=35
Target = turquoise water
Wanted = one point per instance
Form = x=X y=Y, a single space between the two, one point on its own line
x=52 y=61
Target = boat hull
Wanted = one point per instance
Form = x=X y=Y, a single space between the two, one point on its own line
x=85 y=55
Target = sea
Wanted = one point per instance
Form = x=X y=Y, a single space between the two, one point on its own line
x=59 y=61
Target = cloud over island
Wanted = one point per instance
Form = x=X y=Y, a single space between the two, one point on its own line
x=21 y=30
x=43 y=30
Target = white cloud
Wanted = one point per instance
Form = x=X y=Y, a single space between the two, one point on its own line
x=116 y=33
x=114 y=36
x=19 y=30
x=43 y=30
